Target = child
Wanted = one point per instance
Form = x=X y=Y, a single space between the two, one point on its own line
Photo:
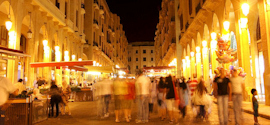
x=255 y=106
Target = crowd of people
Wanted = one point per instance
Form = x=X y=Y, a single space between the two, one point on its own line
x=172 y=95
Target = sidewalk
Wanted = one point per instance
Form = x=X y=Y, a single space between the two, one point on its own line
x=247 y=107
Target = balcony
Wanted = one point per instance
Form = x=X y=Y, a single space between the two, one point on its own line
x=101 y=10
x=51 y=10
x=69 y=25
x=109 y=41
x=95 y=4
x=82 y=8
x=96 y=24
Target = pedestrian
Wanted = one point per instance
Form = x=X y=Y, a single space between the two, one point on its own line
x=222 y=86
x=20 y=86
x=142 y=88
x=237 y=83
x=199 y=98
x=6 y=88
x=161 y=101
x=172 y=99
x=55 y=94
x=184 y=96
x=192 y=87
x=129 y=98
x=153 y=96
x=255 y=106
x=66 y=91
x=120 y=90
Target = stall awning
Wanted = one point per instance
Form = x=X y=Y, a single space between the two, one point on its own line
x=104 y=69
x=78 y=68
x=12 y=52
x=61 y=64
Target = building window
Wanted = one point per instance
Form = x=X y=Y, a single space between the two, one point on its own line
x=57 y=4
x=66 y=8
x=136 y=51
x=144 y=51
x=144 y=65
x=77 y=18
x=190 y=7
x=137 y=59
x=144 y=58
x=152 y=51
x=181 y=22
x=137 y=67
x=152 y=59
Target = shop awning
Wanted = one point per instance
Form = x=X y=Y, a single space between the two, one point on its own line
x=61 y=64
x=12 y=52
x=78 y=68
x=104 y=69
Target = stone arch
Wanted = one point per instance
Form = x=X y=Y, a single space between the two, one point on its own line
x=188 y=50
x=206 y=34
x=215 y=24
x=199 y=40
x=193 y=46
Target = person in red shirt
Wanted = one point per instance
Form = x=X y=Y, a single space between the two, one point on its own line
x=129 y=98
x=193 y=85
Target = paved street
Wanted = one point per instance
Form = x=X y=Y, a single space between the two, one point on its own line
x=84 y=113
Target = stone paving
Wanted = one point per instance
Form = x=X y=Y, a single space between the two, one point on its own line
x=84 y=113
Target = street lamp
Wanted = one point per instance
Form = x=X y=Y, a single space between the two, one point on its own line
x=226 y=25
x=192 y=54
x=204 y=44
x=245 y=9
x=9 y=23
x=197 y=49
x=213 y=35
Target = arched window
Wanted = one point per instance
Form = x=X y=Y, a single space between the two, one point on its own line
x=23 y=43
x=258 y=30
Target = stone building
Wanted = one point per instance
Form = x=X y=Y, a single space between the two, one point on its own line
x=198 y=23
x=165 y=39
x=140 y=54
x=106 y=42
x=45 y=31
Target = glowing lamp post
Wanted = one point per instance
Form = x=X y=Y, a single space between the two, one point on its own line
x=226 y=25
x=245 y=9
x=8 y=25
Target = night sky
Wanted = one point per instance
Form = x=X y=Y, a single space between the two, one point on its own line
x=139 y=17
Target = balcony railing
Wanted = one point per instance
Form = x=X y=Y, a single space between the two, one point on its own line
x=173 y=18
x=95 y=21
x=83 y=6
x=95 y=43
x=109 y=41
x=173 y=40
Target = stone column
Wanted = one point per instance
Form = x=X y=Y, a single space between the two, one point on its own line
x=265 y=34
x=198 y=62
x=192 y=64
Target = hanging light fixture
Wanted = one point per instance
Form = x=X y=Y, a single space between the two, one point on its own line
x=245 y=9
x=9 y=23
x=29 y=33
x=226 y=25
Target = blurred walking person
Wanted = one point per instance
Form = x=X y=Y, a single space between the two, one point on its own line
x=222 y=86
x=200 y=99
x=103 y=92
x=142 y=91
x=161 y=101
x=120 y=90
x=129 y=98
x=55 y=94
x=237 y=89
x=153 y=95
x=172 y=99
x=66 y=91
x=184 y=96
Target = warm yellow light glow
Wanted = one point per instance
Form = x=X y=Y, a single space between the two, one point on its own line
x=97 y=64
x=243 y=22
x=73 y=57
x=204 y=43
x=192 y=54
x=45 y=42
x=152 y=70
x=56 y=48
x=121 y=73
x=94 y=73
x=197 y=49
x=80 y=59
x=213 y=35
x=187 y=57
x=66 y=53
x=213 y=44
x=8 y=25
x=94 y=63
x=226 y=25
x=117 y=66
x=245 y=9
x=183 y=60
